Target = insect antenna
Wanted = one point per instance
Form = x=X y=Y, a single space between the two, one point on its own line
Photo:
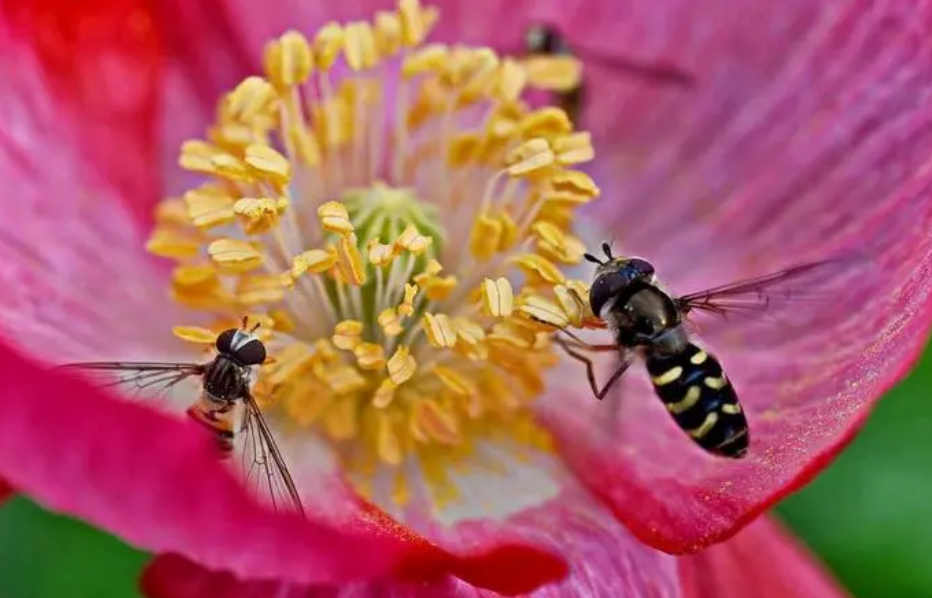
x=607 y=249
x=591 y=258
x=246 y=324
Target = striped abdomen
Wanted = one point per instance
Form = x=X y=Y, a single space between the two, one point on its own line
x=701 y=399
x=219 y=418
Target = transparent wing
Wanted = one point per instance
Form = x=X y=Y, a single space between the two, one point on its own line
x=655 y=73
x=138 y=380
x=799 y=288
x=263 y=466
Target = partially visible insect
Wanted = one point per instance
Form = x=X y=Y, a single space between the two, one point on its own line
x=648 y=322
x=542 y=39
x=225 y=407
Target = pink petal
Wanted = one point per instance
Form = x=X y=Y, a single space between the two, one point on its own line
x=75 y=287
x=156 y=481
x=169 y=576
x=530 y=499
x=764 y=561
x=602 y=556
x=213 y=44
x=604 y=560
x=804 y=138
x=97 y=65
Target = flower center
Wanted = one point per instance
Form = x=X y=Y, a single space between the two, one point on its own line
x=375 y=202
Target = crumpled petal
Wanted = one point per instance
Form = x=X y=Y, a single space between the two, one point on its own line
x=156 y=481
x=763 y=561
x=170 y=576
x=96 y=64
x=520 y=507
x=803 y=140
x=507 y=494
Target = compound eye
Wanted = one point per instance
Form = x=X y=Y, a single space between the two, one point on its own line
x=251 y=353
x=225 y=341
x=643 y=268
x=605 y=288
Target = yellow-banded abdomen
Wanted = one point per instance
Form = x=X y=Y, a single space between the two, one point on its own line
x=701 y=399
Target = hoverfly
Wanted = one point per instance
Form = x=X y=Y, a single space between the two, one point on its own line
x=650 y=323
x=225 y=407
x=546 y=40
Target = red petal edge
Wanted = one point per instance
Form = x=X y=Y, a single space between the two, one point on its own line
x=102 y=63
x=5 y=491
x=155 y=481
x=171 y=576
x=604 y=560
x=764 y=561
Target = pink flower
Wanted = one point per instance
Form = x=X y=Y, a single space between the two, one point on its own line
x=803 y=136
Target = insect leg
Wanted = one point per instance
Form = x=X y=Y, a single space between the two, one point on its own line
x=581 y=344
x=590 y=371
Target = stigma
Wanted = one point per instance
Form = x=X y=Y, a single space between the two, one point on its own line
x=398 y=220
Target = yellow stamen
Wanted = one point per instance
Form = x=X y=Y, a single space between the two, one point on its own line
x=349 y=260
x=209 y=207
x=327 y=45
x=401 y=366
x=314 y=260
x=439 y=330
x=251 y=97
x=360 y=47
x=265 y=161
x=407 y=304
x=259 y=214
x=390 y=322
x=263 y=289
x=335 y=218
x=370 y=356
x=529 y=156
x=288 y=60
x=234 y=256
x=402 y=245
x=554 y=73
x=497 y=297
x=347 y=335
x=195 y=334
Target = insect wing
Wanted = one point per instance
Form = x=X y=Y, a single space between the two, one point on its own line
x=138 y=380
x=795 y=286
x=263 y=465
x=655 y=73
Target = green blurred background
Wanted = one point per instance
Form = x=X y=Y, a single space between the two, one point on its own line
x=869 y=517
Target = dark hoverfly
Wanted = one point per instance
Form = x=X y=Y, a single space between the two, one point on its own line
x=225 y=407
x=647 y=321
x=546 y=40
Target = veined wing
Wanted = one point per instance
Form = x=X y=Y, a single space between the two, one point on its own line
x=656 y=73
x=796 y=285
x=151 y=380
x=263 y=465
